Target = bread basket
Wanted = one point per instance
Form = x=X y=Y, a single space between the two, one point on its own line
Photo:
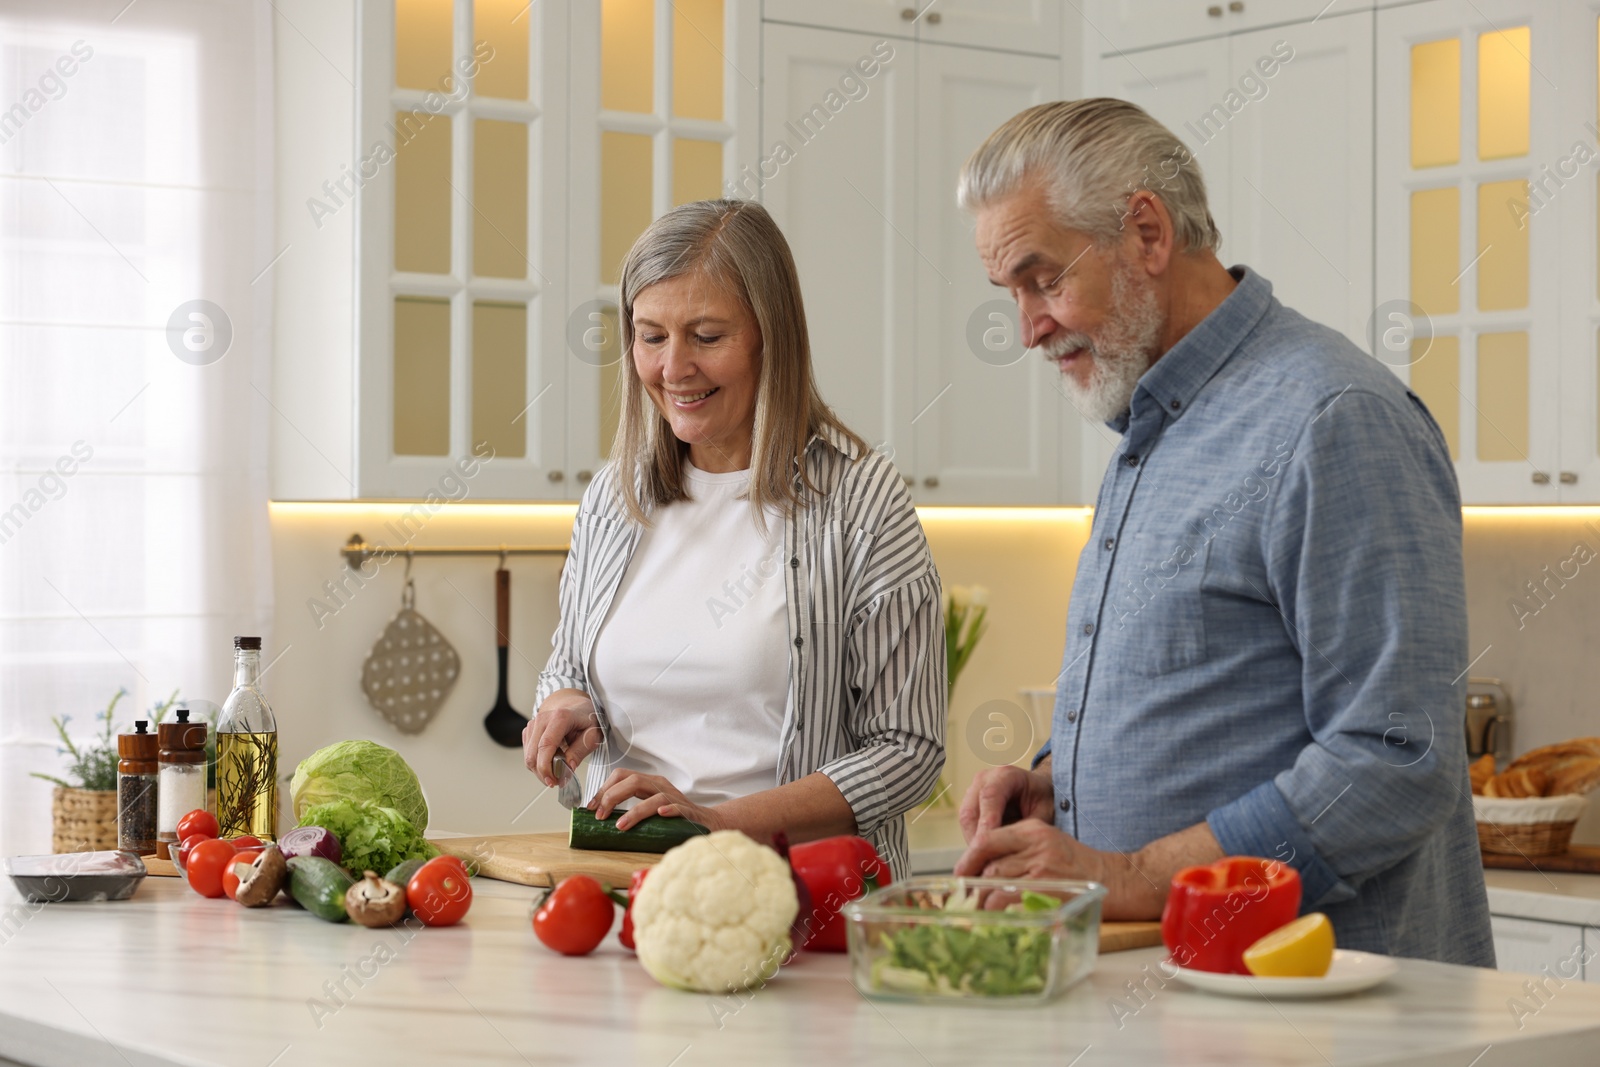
x=1527 y=826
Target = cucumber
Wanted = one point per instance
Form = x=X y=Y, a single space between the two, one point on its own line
x=319 y=885
x=654 y=834
x=400 y=874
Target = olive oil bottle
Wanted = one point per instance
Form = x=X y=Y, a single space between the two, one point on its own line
x=247 y=751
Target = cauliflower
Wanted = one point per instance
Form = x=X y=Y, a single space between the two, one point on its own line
x=714 y=914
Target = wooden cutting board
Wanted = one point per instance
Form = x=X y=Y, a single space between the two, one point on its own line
x=544 y=859
x=1120 y=937
x=1579 y=859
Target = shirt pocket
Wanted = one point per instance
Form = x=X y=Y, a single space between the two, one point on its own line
x=1162 y=617
x=835 y=561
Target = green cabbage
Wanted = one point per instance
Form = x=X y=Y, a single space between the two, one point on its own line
x=359 y=771
x=372 y=837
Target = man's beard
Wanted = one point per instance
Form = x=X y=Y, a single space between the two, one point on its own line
x=1126 y=348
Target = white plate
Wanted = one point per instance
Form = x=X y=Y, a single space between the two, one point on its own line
x=1351 y=973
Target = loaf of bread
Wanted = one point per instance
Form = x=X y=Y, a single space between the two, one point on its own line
x=1517 y=782
x=1481 y=770
x=1568 y=767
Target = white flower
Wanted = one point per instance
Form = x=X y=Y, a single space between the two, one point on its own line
x=980 y=596
x=960 y=597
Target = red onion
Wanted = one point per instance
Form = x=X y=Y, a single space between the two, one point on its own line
x=310 y=841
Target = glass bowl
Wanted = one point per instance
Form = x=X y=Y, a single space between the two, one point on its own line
x=989 y=940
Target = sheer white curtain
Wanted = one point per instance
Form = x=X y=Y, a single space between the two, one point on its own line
x=135 y=169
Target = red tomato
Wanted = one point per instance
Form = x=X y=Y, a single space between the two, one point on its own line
x=625 y=935
x=439 y=893
x=230 y=870
x=244 y=841
x=199 y=821
x=575 y=916
x=187 y=846
x=206 y=861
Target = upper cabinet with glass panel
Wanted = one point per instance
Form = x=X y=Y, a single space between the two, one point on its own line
x=1472 y=318
x=460 y=238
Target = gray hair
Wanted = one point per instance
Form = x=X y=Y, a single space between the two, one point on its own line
x=1092 y=155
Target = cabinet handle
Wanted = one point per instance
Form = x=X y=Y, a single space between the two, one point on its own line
x=1541 y=478
x=584 y=476
x=908 y=13
x=1215 y=11
x=930 y=482
x=934 y=18
x=910 y=481
x=556 y=476
x=1569 y=477
x=1236 y=6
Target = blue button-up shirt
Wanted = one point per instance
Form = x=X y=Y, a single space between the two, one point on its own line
x=1267 y=631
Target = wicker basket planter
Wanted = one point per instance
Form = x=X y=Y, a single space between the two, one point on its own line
x=1527 y=826
x=83 y=820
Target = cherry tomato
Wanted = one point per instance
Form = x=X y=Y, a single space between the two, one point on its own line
x=187 y=846
x=206 y=861
x=244 y=841
x=199 y=821
x=439 y=893
x=230 y=876
x=575 y=916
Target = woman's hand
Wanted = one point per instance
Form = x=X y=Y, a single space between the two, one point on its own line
x=657 y=796
x=566 y=722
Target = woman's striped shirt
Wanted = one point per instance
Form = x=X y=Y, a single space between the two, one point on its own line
x=866 y=703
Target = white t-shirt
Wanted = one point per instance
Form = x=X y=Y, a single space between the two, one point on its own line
x=692 y=662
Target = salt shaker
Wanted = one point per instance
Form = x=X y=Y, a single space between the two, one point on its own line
x=182 y=786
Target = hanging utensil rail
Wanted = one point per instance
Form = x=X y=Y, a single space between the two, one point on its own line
x=357 y=551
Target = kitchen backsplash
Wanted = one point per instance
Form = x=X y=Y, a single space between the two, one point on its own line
x=327 y=619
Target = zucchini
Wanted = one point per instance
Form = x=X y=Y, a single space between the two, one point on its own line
x=319 y=885
x=654 y=834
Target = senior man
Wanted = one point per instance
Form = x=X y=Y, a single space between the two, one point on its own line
x=1267 y=631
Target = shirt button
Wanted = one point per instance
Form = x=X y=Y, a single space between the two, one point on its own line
x=799 y=641
x=1066 y=805
x=1088 y=627
x=794 y=561
x=1133 y=461
x=1072 y=716
x=1110 y=541
x=1176 y=404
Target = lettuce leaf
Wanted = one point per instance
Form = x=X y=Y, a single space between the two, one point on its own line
x=373 y=837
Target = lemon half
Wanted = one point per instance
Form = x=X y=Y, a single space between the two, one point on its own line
x=1301 y=949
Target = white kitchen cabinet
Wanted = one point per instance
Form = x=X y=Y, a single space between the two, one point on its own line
x=986 y=427
x=1531 y=946
x=1013 y=25
x=839 y=187
x=1303 y=218
x=1573 y=190
x=1469 y=286
x=891 y=276
x=1127 y=25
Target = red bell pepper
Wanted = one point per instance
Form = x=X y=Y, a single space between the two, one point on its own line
x=836 y=870
x=1215 y=912
x=625 y=935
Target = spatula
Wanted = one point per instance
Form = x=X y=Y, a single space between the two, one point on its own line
x=504 y=723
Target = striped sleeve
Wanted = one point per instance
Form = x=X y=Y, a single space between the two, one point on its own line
x=894 y=658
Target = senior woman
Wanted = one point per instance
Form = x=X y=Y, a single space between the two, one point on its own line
x=750 y=632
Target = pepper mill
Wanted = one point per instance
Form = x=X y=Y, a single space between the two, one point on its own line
x=137 y=765
x=182 y=772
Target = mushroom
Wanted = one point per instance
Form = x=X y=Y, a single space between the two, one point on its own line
x=260 y=883
x=375 y=902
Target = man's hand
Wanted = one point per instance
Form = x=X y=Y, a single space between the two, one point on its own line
x=565 y=721
x=1004 y=795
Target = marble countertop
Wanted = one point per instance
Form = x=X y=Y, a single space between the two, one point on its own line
x=1561 y=898
x=169 y=978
